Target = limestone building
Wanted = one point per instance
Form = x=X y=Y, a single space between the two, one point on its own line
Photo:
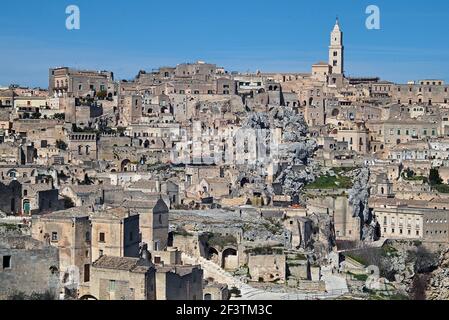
x=28 y=266
x=115 y=232
x=122 y=278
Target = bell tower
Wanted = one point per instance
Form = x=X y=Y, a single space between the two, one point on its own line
x=336 y=50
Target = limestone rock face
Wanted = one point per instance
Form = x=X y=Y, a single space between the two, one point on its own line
x=358 y=198
x=296 y=152
x=438 y=288
x=323 y=240
x=257 y=120
x=294 y=125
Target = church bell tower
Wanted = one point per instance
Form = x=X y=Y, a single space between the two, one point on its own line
x=336 y=50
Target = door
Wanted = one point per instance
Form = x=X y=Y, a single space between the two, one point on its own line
x=26 y=207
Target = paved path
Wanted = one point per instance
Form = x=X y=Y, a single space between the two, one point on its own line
x=335 y=285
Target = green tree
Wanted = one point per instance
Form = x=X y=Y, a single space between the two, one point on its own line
x=59 y=116
x=102 y=94
x=434 y=177
x=36 y=115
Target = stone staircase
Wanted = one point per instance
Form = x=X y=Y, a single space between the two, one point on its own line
x=336 y=286
x=214 y=271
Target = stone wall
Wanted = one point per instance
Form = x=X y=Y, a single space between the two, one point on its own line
x=268 y=268
x=127 y=285
x=33 y=267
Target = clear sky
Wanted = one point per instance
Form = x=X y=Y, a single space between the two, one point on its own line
x=240 y=35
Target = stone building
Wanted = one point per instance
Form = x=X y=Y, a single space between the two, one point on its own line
x=436 y=226
x=267 y=268
x=28 y=266
x=216 y=291
x=130 y=110
x=82 y=146
x=115 y=232
x=122 y=278
x=179 y=282
x=397 y=219
x=70 y=232
x=80 y=83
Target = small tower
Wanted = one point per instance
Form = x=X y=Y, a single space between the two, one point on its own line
x=336 y=50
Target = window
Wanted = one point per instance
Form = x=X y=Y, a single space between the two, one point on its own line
x=6 y=262
x=111 y=285
x=102 y=237
x=335 y=63
x=335 y=53
x=100 y=253
x=87 y=236
x=86 y=272
x=54 y=236
x=131 y=236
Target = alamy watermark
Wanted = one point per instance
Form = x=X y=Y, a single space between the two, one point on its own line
x=73 y=21
x=373 y=20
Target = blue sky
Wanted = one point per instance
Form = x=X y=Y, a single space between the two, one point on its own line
x=245 y=35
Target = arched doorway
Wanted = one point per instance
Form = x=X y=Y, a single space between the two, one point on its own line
x=212 y=255
x=124 y=165
x=229 y=259
x=207 y=297
x=88 y=297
